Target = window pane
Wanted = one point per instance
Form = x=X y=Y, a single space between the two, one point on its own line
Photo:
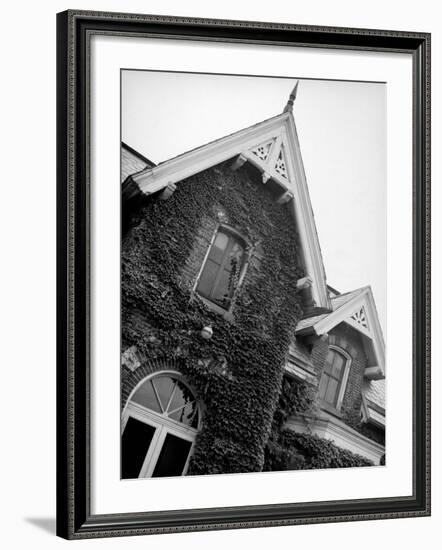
x=164 y=386
x=135 y=443
x=334 y=364
x=207 y=278
x=338 y=363
x=181 y=397
x=218 y=247
x=224 y=289
x=220 y=273
x=229 y=278
x=323 y=385
x=332 y=390
x=328 y=364
x=145 y=396
x=185 y=414
x=234 y=260
x=173 y=457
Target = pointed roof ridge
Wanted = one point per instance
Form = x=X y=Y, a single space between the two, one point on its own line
x=341 y=300
x=352 y=292
x=290 y=178
x=287 y=108
x=344 y=312
x=345 y=297
x=213 y=141
x=169 y=165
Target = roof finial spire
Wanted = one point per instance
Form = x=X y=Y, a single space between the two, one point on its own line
x=289 y=107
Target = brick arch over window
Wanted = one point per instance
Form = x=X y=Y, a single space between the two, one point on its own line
x=148 y=367
x=342 y=342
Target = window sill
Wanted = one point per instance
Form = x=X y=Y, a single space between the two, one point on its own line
x=226 y=313
x=330 y=409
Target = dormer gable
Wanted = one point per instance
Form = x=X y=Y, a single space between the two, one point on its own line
x=357 y=309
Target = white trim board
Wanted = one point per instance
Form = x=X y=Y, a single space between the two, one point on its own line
x=372 y=336
x=341 y=435
x=282 y=130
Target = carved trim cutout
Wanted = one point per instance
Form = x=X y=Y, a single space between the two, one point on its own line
x=262 y=151
x=281 y=165
x=360 y=317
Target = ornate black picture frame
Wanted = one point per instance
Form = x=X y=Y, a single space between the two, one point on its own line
x=74 y=517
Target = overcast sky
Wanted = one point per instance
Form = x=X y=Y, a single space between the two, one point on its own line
x=342 y=133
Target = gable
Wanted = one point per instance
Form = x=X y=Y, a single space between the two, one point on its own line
x=271 y=146
x=357 y=309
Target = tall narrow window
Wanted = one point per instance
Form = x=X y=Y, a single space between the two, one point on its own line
x=332 y=384
x=221 y=272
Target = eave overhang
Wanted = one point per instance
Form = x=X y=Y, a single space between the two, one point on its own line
x=281 y=130
x=340 y=434
x=371 y=330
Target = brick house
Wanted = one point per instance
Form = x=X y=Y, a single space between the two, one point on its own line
x=236 y=354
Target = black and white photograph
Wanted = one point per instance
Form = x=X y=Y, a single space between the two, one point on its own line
x=218 y=283
x=253 y=274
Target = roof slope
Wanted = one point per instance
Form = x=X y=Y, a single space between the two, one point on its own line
x=357 y=309
x=132 y=162
x=336 y=303
x=374 y=391
x=272 y=146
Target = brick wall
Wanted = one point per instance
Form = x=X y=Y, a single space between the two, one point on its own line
x=349 y=339
x=173 y=338
x=188 y=274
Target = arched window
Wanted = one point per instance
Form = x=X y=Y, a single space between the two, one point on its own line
x=222 y=269
x=160 y=424
x=334 y=377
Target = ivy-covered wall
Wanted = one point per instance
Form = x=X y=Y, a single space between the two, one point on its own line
x=237 y=374
x=287 y=450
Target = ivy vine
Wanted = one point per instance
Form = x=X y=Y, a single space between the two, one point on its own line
x=288 y=450
x=237 y=374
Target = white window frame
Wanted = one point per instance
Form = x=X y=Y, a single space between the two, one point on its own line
x=162 y=425
x=344 y=380
x=247 y=252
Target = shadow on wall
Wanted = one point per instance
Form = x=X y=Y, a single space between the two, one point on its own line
x=46 y=524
